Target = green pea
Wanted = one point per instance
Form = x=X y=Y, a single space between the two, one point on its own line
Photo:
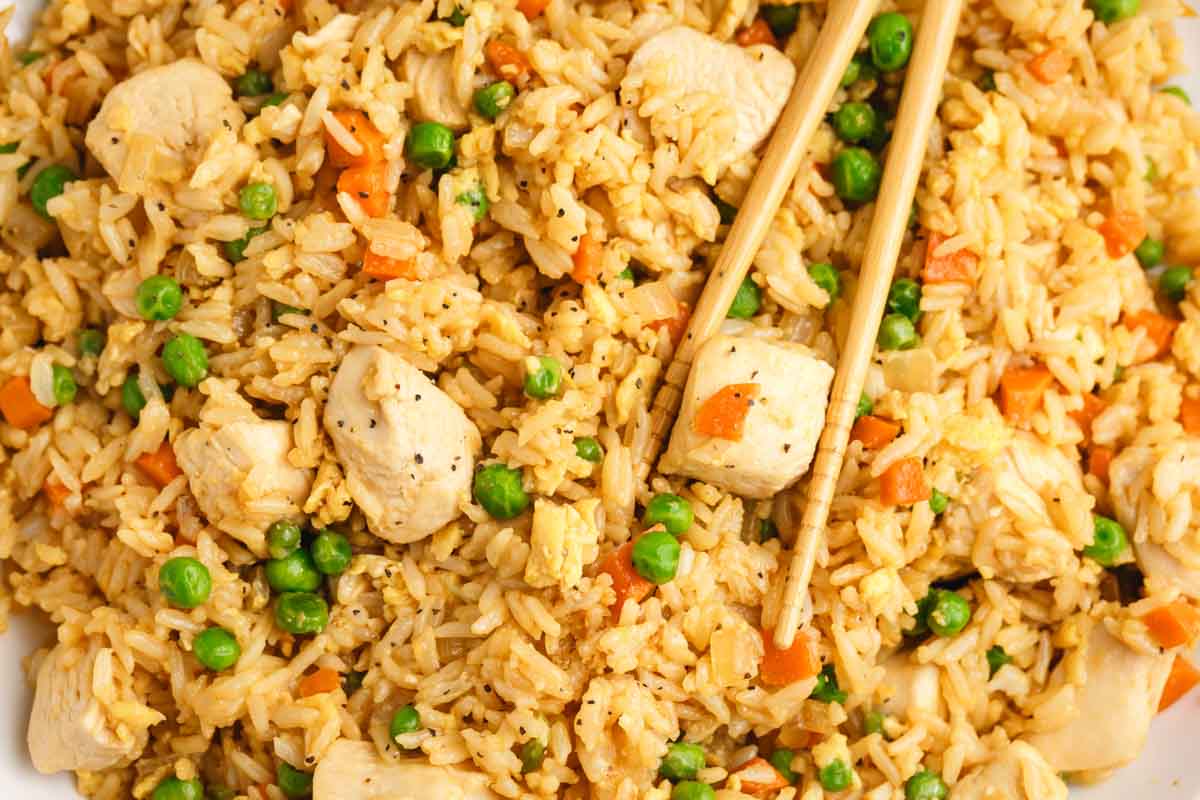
x=859 y=69
x=235 y=250
x=828 y=278
x=352 y=682
x=925 y=785
x=856 y=174
x=938 y=501
x=7 y=149
x=274 y=99
x=62 y=382
x=30 y=56
x=1150 y=252
x=292 y=782
x=258 y=201
x=873 y=722
x=48 y=184
x=827 y=690
x=905 y=298
x=544 y=381
x=301 y=612
x=896 y=332
x=948 y=614
x=692 y=790
x=216 y=648
x=682 y=761
x=627 y=275
x=836 y=776
x=1109 y=541
x=533 y=753
x=491 y=100
x=132 y=398
x=174 y=789
x=780 y=19
x=253 y=83
x=877 y=139
x=1110 y=11
x=747 y=301
x=457 y=18
x=280 y=309
x=91 y=342
x=295 y=572
x=1178 y=91
x=767 y=530
x=475 y=199
x=184 y=582
x=185 y=360
x=404 y=720
x=865 y=406
x=498 y=489
x=430 y=145
x=781 y=760
x=669 y=510
x=726 y=211
x=587 y=448
x=331 y=552
x=159 y=297
x=890 y=37
x=854 y=122
x=656 y=556
x=987 y=81
x=996 y=658
x=1174 y=281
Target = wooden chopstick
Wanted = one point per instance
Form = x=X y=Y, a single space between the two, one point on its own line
x=918 y=104
x=841 y=33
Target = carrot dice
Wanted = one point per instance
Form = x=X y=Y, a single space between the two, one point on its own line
x=797 y=663
x=1174 y=624
x=675 y=326
x=1180 y=681
x=1159 y=330
x=1050 y=66
x=874 y=432
x=19 y=406
x=507 y=61
x=319 y=682
x=1189 y=414
x=956 y=267
x=368 y=186
x=1099 y=459
x=1092 y=406
x=723 y=415
x=532 y=8
x=757 y=777
x=385 y=269
x=55 y=492
x=160 y=466
x=757 y=32
x=1122 y=232
x=1022 y=390
x=364 y=132
x=586 y=259
x=903 y=483
x=626 y=581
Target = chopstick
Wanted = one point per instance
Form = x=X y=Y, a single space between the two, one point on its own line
x=843 y=29
x=918 y=104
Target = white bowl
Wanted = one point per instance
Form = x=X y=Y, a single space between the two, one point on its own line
x=1168 y=768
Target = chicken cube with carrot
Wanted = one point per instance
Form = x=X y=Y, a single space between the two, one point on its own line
x=751 y=415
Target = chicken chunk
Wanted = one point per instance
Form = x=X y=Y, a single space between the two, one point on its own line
x=1017 y=772
x=157 y=123
x=1118 y=699
x=912 y=690
x=1160 y=565
x=240 y=475
x=69 y=727
x=752 y=81
x=407 y=448
x=354 y=771
x=781 y=427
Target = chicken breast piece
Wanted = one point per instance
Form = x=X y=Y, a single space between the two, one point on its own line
x=354 y=771
x=240 y=475
x=1017 y=772
x=170 y=111
x=781 y=428
x=69 y=728
x=753 y=81
x=1117 y=701
x=407 y=448
x=911 y=690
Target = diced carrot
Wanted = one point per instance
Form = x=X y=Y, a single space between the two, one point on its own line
x=1189 y=414
x=319 y=682
x=1122 y=232
x=757 y=32
x=626 y=582
x=20 y=408
x=1099 y=459
x=903 y=483
x=1092 y=406
x=364 y=132
x=675 y=326
x=1050 y=66
x=285 y=6
x=532 y=8
x=385 y=269
x=723 y=415
x=956 y=267
x=55 y=492
x=1022 y=390
x=160 y=466
x=1180 y=681
x=586 y=259
x=1159 y=329
x=1173 y=624
x=874 y=432
x=367 y=185
x=757 y=776
x=508 y=62
x=797 y=663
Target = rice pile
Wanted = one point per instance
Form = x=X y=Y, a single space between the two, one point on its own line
x=493 y=641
